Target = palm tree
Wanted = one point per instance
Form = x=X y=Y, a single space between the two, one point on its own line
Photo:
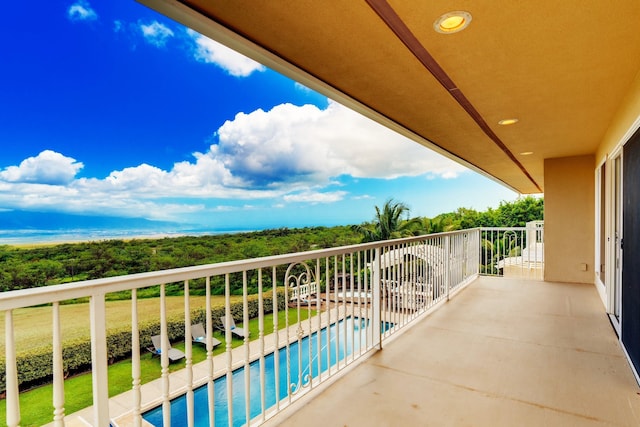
x=388 y=223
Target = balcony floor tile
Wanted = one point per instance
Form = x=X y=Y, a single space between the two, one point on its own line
x=502 y=353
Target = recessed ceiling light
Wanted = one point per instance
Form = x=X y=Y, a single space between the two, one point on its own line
x=452 y=22
x=526 y=153
x=506 y=122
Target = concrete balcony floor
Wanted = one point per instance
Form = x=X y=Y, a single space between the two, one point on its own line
x=501 y=353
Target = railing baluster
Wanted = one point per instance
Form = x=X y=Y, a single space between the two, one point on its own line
x=11 y=369
x=413 y=250
x=338 y=314
x=329 y=331
x=344 y=311
x=188 y=350
x=384 y=287
x=319 y=328
x=377 y=311
x=368 y=261
x=164 y=358
x=299 y=333
x=454 y=261
x=402 y=273
x=228 y=337
x=393 y=296
x=405 y=249
x=262 y=345
x=353 y=311
x=310 y=330
x=135 y=360
x=58 y=370
x=247 y=354
x=276 y=330
x=447 y=265
x=287 y=339
x=209 y=328
x=396 y=281
x=477 y=248
x=361 y=301
x=99 y=361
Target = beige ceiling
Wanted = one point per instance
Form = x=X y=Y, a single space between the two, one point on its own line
x=561 y=67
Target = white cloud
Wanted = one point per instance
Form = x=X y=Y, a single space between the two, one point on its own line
x=156 y=33
x=234 y=63
x=48 y=167
x=289 y=154
x=316 y=197
x=81 y=11
x=306 y=144
x=223 y=208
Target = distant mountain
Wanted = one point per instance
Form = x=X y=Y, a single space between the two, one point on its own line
x=25 y=220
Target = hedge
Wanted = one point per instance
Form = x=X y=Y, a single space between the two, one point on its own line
x=35 y=365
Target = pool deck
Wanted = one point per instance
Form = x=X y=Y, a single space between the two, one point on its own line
x=502 y=353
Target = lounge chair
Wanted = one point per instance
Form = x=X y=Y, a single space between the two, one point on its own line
x=173 y=353
x=239 y=332
x=198 y=335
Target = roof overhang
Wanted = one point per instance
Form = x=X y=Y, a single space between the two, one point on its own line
x=561 y=68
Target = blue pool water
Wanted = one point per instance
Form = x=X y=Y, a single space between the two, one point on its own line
x=300 y=366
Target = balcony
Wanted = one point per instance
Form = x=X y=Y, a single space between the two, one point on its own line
x=457 y=348
x=504 y=352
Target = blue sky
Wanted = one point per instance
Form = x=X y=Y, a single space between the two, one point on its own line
x=109 y=108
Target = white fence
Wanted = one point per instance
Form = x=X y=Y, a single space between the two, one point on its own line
x=516 y=252
x=304 y=291
x=355 y=296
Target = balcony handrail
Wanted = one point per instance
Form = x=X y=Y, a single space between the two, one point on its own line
x=55 y=293
x=347 y=273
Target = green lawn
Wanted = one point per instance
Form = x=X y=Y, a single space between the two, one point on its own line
x=33 y=326
x=36 y=405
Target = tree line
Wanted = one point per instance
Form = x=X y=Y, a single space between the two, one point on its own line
x=388 y=222
x=23 y=268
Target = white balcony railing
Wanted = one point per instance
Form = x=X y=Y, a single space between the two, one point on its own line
x=516 y=252
x=356 y=296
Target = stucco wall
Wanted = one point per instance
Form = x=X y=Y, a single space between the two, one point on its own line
x=568 y=219
x=619 y=129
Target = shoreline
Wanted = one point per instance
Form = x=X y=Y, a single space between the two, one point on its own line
x=56 y=242
x=26 y=239
x=22 y=242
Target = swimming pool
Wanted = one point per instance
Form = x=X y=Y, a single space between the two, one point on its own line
x=335 y=345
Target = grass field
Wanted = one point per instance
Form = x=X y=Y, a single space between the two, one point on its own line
x=36 y=405
x=34 y=325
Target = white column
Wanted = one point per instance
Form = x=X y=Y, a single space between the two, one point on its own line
x=58 y=369
x=210 y=382
x=447 y=263
x=276 y=335
x=262 y=344
x=376 y=293
x=99 y=362
x=13 y=402
x=188 y=355
x=164 y=359
x=135 y=360
x=227 y=338
x=245 y=326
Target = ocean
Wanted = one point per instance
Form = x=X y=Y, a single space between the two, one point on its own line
x=32 y=236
